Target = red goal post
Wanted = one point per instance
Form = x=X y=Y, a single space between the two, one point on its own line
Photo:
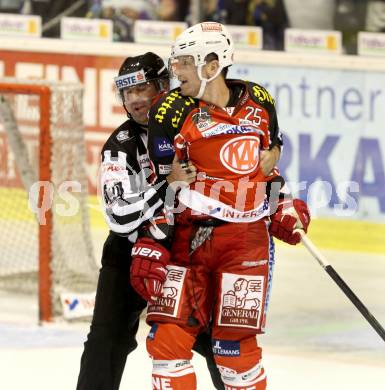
x=50 y=114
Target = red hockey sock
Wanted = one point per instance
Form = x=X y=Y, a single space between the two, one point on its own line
x=170 y=348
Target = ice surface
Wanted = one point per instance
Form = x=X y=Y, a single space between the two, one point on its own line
x=315 y=337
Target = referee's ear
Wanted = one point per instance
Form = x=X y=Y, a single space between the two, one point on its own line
x=163 y=85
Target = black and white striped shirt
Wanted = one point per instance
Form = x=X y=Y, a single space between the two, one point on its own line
x=128 y=198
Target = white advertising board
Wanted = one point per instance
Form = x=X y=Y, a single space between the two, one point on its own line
x=26 y=26
x=246 y=37
x=150 y=31
x=86 y=29
x=313 y=41
x=371 y=44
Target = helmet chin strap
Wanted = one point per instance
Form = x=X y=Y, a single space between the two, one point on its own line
x=204 y=81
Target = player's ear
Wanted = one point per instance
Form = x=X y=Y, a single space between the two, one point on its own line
x=162 y=85
x=212 y=68
x=166 y=85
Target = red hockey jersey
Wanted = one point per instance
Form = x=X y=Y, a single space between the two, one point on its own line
x=223 y=143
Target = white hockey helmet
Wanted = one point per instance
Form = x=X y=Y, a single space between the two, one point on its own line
x=202 y=39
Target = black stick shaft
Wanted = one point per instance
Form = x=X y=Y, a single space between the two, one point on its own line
x=342 y=285
x=356 y=301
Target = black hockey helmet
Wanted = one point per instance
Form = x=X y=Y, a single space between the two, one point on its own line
x=141 y=69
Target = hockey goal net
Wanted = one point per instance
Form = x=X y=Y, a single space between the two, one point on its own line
x=44 y=225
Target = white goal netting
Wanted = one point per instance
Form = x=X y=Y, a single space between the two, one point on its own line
x=43 y=168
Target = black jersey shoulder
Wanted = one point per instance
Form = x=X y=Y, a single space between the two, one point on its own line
x=120 y=137
x=126 y=139
x=171 y=108
x=260 y=94
x=256 y=92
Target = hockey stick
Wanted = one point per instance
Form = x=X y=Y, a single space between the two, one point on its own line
x=341 y=284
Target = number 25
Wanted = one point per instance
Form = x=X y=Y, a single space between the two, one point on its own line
x=253 y=115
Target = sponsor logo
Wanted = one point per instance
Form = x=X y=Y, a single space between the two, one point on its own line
x=163 y=147
x=161 y=364
x=154 y=32
x=227 y=128
x=254 y=263
x=252 y=214
x=160 y=383
x=229 y=110
x=370 y=43
x=226 y=348
x=214 y=210
x=245 y=122
x=168 y=303
x=262 y=95
x=303 y=40
x=151 y=333
x=128 y=80
x=20 y=25
x=144 y=161
x=112 y=168
x=112 y=193
x=211 y=26
x=241 y=300
x=162 y=270
x=253 y=373
x=240 y=155
x=244 y=99
x=202 y=119
x=164 y=169
x=167 y=104
x=71 y=304
x=123 y=135
x=82 y=28
x=202 y=115
x=146 y=252
x=374 y=43
x=227 y=375
x=182 y=363
x=313 y=40
x=77 y=305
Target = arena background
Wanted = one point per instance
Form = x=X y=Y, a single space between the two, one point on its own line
x=331 y=111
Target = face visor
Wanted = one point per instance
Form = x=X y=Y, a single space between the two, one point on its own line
x=176 y=64
x=184 y=64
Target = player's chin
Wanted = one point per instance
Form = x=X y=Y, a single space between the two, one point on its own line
x=187 y=90
x=183 y=88
x=141 y=118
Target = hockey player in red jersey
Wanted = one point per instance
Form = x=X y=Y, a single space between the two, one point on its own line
x=129 y=204
x=222 y=255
